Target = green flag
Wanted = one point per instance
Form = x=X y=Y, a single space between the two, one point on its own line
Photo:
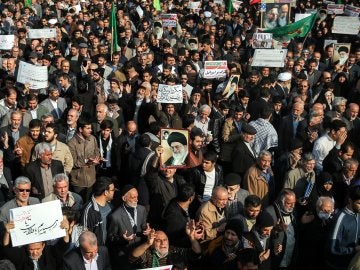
x=297 y=29
x=113 y=25
x=156 y=4
x=230 y=8
x=27 y=3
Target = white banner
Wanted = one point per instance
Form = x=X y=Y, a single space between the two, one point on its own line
x=7 y=42
x=41 y=33
x=36 y=76
x=269 y=58
x=36 y=223
x=170 y=93
x=300 y=16
x=346 y=25
x=352 y=11
x=169 y=20
x=335 y=8
x=194 y=5
x=262 y=40
x=215 y=69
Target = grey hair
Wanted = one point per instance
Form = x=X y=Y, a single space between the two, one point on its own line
x=60 y=177
x=47 y=115
x=321 y=200
x=103 y=105
x=338 y=100
x=286 y=192
x=264 y=153
x=218 y=189
x=15 y=112
x=308 y=156
x=40 y=148
x=205 y=107
x=88 y=237
x=7 y=265
x=349 y=162
x=21 y=180
x=77 y=112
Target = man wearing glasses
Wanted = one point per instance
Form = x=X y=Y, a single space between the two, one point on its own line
x=22 y=187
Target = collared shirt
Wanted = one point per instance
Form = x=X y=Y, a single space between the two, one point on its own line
x=47 y=177
x=34 y=113
x=91 y=265
x=322 y=147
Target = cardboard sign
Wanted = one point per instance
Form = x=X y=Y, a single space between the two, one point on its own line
x=41 y=33
x=7 y=42
x=346 y=25
x=215 y=69
x=170 y=94
x=269 y=58
x=169 y=20
x=262 y=40
x=36 y=223
x=36 y=76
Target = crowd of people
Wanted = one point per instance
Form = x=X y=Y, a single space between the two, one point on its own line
x=269 y=173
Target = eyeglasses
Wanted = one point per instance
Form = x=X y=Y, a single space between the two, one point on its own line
x=22 y=190
x=38 y=50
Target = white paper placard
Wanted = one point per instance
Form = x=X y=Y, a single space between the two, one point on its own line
x=170 y=93
x=335 y=8
x=36 y=223
x=352 y=11
x=36 y=76
x=169 y=20
x=7 y=42
x=215 y=69
x=194 y=5
x=269 y=58
x=300 y=16
x=346 y=25
x=139 y=11
x=262 y=40
x=41 y=33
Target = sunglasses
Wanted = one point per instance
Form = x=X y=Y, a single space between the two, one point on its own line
x=22 y=190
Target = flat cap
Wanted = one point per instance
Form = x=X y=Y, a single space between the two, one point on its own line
x=246 y=128
x=232 y=179
x=83 y=45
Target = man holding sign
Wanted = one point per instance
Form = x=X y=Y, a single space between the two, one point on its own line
x=37 y=255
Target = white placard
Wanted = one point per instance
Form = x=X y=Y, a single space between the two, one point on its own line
x=269 y=58
x=352 y=11
x=41 y=33
x=165 y=267
x=139 y=11
x=262 y=40
x=170 y=93
x=7 y=42
x=215 y=69
x=329 y=41
x=169 y=20
x=36 y=76
x=300 y=16
x=346 y=25
x=194 y=5
x=335 y=8
x=36 y=223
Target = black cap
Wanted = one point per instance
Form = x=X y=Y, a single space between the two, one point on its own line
x=126 y=189
x=232 y=179
x=246 y=128
x=100 y=71
x=264 y=219
x=177 y=137
x=235 y=225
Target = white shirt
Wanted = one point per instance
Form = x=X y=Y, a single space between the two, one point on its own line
x=91 y=265
x=322 y=147
x=209 y=185
x=33 y=114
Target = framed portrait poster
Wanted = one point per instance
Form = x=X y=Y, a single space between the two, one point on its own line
x=175 y=143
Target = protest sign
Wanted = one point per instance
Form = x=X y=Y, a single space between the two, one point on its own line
x=300 y=16
x=7 y=42
x=36 y=76
x=165 y=267
x=352 y=11
x=36 y=223
x=346 y=25
x=194 y=5
x=169 y=20
x=175 y=144
x=231 y=86
x=329 y=42
x=341 y=53
x=262 y=40
x=215 y=69
x=335 y=9
x=41 y=33
x=170 y=94
x=269 y=58
x=139 y=11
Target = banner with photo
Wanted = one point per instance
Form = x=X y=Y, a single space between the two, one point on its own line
x=341 y=53
x=275 y=15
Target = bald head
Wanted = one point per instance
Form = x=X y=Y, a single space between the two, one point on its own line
x=101 y=111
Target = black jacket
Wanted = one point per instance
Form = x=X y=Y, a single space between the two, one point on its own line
x=33 y=172
x=242 y=159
